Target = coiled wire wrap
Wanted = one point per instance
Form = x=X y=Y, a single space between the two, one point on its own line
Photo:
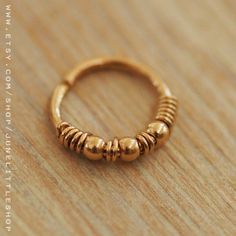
x=167 y=110
x=112 y=150
x=74 y=139
x=71 y=137
x=146 y=141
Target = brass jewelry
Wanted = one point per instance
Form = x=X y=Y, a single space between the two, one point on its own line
x=127 y=149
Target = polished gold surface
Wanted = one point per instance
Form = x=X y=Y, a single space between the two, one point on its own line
x=160 y=131
x=127 y=149
x=93 y=148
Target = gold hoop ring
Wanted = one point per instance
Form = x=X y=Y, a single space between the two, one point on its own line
x=127 y=148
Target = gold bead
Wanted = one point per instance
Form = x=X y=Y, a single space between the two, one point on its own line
x=93 y=148
x=129 y=149
x=160 y=131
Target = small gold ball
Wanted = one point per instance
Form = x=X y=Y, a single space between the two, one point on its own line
x=93 y=148
x=160 y=131
x=129 y=149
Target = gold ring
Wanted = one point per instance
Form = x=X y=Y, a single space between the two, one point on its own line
x=127 y=148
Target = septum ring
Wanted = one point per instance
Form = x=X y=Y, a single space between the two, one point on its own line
x=127 y=148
